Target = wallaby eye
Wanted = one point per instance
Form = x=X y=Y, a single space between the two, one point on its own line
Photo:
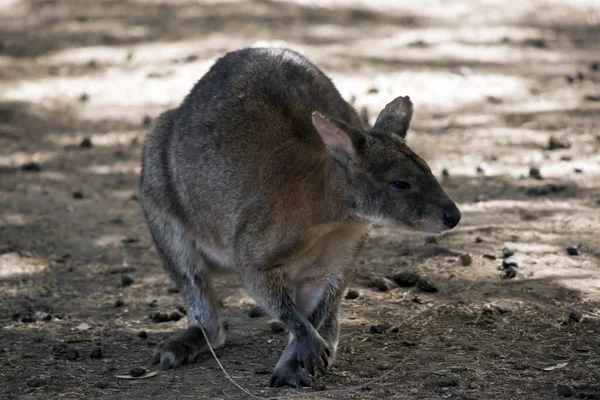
x=400 y=185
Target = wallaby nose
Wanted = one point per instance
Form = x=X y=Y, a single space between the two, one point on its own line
x=451 y=217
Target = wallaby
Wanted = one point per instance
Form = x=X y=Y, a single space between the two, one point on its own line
x=266 y=171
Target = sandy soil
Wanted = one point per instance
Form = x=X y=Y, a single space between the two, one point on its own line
x=492 y=83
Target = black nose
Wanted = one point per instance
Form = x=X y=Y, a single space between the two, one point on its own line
x=451 y=217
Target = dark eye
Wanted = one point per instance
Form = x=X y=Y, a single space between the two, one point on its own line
x=400 y=185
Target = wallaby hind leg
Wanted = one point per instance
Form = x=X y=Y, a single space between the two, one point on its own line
x=319 y=302
x=189 y=269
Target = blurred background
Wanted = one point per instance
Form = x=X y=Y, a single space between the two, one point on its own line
x=507 y=110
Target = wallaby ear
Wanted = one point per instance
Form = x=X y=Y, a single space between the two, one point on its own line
x=336 y=140
x=395 y=117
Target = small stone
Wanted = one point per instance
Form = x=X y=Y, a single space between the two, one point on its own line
x=136 y=372
x=72 y=354
x=86 y=143
x=172 y=290
x=147 y=120
x=566 y=158
x=578 y=170
x=445 y=381
x=573 y=251
x=175 y=316
x=564 y=391
x=379 y=328
x=31 y=167
x=489 y=256
x=494 y=100
x=417 y=299
x=383 y=284
x=595 y=66
x=534 y=172
x=373 y=90
x=509 y=264
x=159 y=317
x=143 y=335
x=78 y=194
x=28 y=318
x=478 y=239
x=558 y=143
x=126 y=280
x=101 y=385
x=593 y=97
x=84 y=97
x=483 y=169
x=153 y=303
x=47 y=317
x=510 y=273
x=96 y=352
x=119 y=302
x=36 y=383
x=276 y=327
x=508 y=252
x=406 y=279
x=351 y=294
x=255 y=312
x=575 y=316
x=570 y=78
x=466 y=259
x=129 y=240
x=426 y=286
x=445 y=173
x=539 y=43
x=431 y=239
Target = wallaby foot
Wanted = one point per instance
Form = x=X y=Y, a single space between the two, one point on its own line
x=288 y=371
x=182 y=348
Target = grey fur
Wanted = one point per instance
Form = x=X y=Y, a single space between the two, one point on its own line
x=266 y=171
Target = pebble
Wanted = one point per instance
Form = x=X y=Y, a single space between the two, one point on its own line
x=143 y=334
x=431 y=239
x=136 y=372
x=351 y=294
x=534 y=172
x=28 y=318
x=86 y=143
x=557 y=143
x=101 y=385
x=508 y=252
x=494 y=100
x=379 y=328
x=159 y=317
x=383 y=284
x=172 y=290
x=593 y=97
x=119 y=302
x=255 y=312
x=577 y=170
x=466 y=259
x=84 y=97
x=445 y=381
x=406 y=279
x=509 y=264
x=153 y=303
x=78 y=194
x=426 y=286
x=96 y=352
x=573 y=251
x=478 y=239
x=72 y=354
x=595 y=66
x=445 y=173
x=147 y=120
x=126 y=280
x=175 y=316
x=575 y=316
x=510 y=272
x=36 y=383
x=564 y=391
x=31 y=167
x=276 y=327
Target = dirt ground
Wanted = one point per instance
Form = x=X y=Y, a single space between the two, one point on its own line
x=492 y=83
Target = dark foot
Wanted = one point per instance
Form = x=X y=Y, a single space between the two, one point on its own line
x=183 y=347
x=289 y=377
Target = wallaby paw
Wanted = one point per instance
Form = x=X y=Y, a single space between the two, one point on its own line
x=181 y=348
x=313 y=354
x=288 y=377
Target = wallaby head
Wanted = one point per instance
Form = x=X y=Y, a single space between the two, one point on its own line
x=387 y=181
